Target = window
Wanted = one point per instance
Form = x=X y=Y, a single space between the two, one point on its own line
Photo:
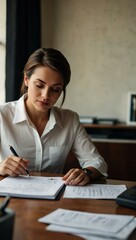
x=2 y=49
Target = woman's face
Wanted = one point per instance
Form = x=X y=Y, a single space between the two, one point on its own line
x=44 y=88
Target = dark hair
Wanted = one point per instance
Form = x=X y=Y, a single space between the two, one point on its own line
x=48 y=57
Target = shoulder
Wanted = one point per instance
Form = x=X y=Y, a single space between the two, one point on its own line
x=63 y=114
x=7 y=108
x=10 y=107
x=7 y=105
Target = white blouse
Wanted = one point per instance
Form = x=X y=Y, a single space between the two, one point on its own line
x=63 y=133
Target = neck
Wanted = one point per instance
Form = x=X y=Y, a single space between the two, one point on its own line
x=39 y=119
x=40 y=123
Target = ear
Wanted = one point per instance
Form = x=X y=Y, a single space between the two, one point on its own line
x=26 y=80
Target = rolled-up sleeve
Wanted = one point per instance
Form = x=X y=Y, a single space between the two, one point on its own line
x=85 y=150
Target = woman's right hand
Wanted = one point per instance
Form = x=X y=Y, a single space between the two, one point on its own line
x=13 y=166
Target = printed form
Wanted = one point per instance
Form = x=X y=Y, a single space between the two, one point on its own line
x=94 y=191
x=86 y=224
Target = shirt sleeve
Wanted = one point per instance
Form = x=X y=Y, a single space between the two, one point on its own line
x=85 y=150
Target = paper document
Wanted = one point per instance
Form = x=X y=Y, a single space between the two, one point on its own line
x=109 y=223
x=95 y=191
x=123 y=234
x=83 y=223
x=31 y=187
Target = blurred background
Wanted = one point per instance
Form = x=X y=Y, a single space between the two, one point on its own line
x=98 y=37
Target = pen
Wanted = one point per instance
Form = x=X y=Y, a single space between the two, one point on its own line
x=4 y=205
x=14 y=152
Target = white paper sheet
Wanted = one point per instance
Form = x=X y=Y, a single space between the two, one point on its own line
x=124 y=233
x=94 y=191
x=31 y=187
x=105 y=223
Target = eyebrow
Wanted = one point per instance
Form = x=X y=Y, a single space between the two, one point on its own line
x=56 y=84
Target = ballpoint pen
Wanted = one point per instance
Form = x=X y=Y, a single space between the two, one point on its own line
x=14 y=152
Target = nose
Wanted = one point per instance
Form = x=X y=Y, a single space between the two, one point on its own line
x=46 y=93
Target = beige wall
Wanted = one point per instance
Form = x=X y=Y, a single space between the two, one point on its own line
x=98 y=37
x=2 y=49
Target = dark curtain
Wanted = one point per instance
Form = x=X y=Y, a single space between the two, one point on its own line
x=23 y=36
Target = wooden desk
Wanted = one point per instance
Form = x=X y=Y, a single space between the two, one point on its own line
x=29 y=211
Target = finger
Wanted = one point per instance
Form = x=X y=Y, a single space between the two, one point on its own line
x=79 y=180
x=76 y=175
x=17 y=169
x=68 y=174
x=21 y=161
x=7 y=170
x=20 y=164
x=15 y=165
x=83 y=182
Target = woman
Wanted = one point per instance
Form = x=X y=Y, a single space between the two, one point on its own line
x=41 y=133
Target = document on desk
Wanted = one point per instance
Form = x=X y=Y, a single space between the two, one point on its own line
x=78 y=222
x=31 y=187
x=123 y=234
x=94 y=191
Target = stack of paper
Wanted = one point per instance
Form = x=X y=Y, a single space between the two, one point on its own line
x=90 y=225
x=31 y=187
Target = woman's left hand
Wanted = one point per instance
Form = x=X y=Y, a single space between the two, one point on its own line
x=76 y=176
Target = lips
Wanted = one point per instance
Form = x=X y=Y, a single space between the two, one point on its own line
x=44 y=103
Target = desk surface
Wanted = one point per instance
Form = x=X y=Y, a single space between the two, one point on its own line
x=29 y=211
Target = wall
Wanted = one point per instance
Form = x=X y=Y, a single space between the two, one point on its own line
x=2 y=49
x=98 y=37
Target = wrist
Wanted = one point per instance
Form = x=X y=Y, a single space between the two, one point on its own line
x=88 y=172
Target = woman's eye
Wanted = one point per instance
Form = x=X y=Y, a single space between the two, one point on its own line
x=56 y=89
x=39 y=85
